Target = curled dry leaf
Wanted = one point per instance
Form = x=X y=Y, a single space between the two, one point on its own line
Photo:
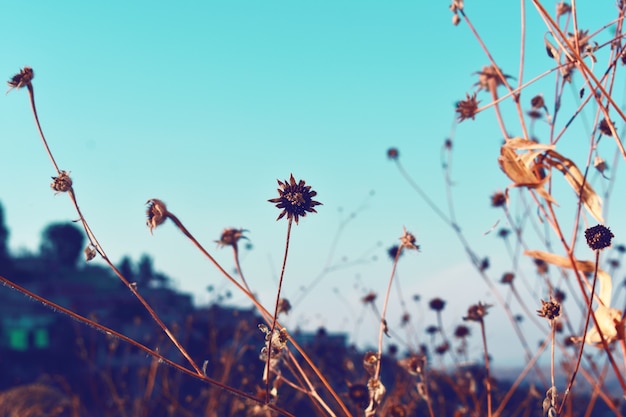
x=531 y=168
x=608 y=318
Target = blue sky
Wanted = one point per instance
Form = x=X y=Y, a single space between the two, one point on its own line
x=204 y=106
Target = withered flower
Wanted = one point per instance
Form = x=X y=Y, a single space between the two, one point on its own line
x=62 y=183
x=21 y=79
x=477 y=312
x=407 y=240
x=559 y=295
x=442 y=348
x=296 y=199
x=157 y=213
x=599 y=237
x=534 y=114
x=414 y=364
x=488 y=77
x=550 y=310
x=230 y=237
x=563 y=8
x=467 y=108
x=605 y=127
x=369 y=298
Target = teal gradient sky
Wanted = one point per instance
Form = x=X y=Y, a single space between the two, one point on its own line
x=205 y=105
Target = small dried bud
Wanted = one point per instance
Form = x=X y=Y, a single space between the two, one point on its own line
x=414 y=364
x=542 y=266
x=534 y=114
x=90 y=253
x=370 y=360
x=442 y=348
x=477 y=312
x=284 y=306
x=230 y=237
x=599 y=164
x=559 y=296
x=598 y=237
x=157 y=213
x=22 y=79
x=537 y=102
x=467 y=108
x=456 y=19
x=550 y=310
x=507 y=278
x=498 y=199
x=62 y=183
x=393 y=153
x=437 y=304
x=394 y=251
x=369 y=298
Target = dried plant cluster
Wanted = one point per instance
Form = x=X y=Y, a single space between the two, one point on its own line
x=545 y=242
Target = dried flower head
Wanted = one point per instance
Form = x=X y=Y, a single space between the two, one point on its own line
x=498 y=199
x=393 y=153
x=456 y=19
x=296 y=199
x=559 y=295
x=550 y=310
x=542 y=266
x=537 y=102
x=600 y=165
x=62 y=183
x=599 y=237
x=376 y=393
x=230 y=237
x=370 y=361
x=563 y=8
x=157 y=213
x=534 y=114
x=442 y=348
x=507 y=278
x=461 y=331
x=489 y=77
x=477 y=312
x=467 y=108
x=436 y=304
x=22 y=79
x=605 y=127
x=407 y=240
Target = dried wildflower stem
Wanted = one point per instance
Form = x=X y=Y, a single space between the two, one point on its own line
x=487 y=367
x=582 y=343
x=147 y=350
x=31 y=95
x=585 y=71
x=94 y=242
x=239 y=271
x=275 y=316
x=502 y=78
x=266 y=315
x=383 y=320
x=588 y=301
x=529 y=365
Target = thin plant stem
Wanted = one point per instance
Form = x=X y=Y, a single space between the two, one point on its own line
x=275 y=316
x=487 y=367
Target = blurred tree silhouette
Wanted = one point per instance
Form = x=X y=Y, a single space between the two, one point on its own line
x=5 y=257
x=62 y=244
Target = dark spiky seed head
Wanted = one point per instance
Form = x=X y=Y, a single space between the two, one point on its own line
x=599 y=237
x=605 y=128
x=559 y=296
x=295 y=198
x=461 y=331
x=550 y=310
x=230 y=237
x=507 y=278
x=467 y=108
x=537 y=102
x=498 y=199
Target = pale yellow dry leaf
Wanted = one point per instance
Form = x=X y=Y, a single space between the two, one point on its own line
x=582 y=188
x=522 y=168
x=606 y=316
